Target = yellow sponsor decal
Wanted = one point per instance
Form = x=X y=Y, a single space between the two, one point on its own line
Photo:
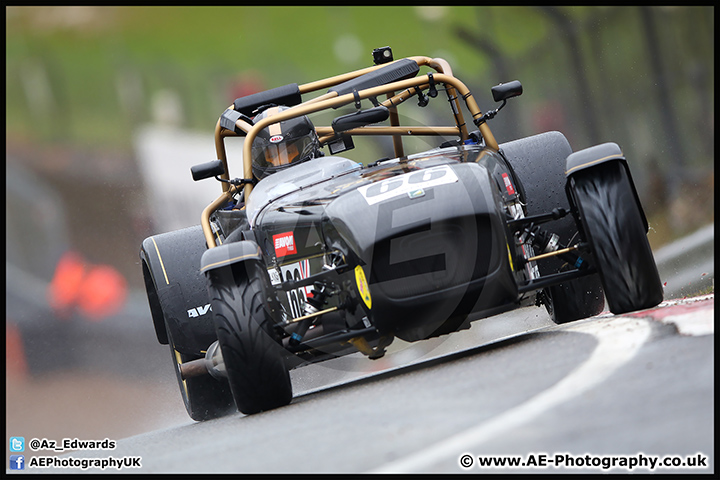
x=510 y=257
x=363 y=286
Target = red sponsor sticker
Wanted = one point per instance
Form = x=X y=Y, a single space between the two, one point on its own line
x=508 y=184
x=284 y=244
x=276 y=139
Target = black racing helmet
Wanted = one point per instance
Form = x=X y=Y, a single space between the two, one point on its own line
x=282 y=144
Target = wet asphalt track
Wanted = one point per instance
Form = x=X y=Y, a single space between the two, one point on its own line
x=630 y=387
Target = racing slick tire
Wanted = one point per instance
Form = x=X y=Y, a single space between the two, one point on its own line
x=204 y=397
x=243 y=309
x=614 y=228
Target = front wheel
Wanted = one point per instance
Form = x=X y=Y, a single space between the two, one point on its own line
x=243 y=309
x=613 y=225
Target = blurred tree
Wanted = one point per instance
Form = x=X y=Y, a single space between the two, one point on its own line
x=572 y=40
x=664 y=96
x=483 y=43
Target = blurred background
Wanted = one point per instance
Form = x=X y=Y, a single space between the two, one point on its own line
x=108 y=107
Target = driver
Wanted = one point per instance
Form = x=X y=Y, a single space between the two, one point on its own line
x=282 y=144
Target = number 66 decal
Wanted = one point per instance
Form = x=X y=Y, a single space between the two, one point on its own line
x=407 y=183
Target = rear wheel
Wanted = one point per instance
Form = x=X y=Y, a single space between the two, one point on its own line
x=613 y=225
x=204 y=397
x=244 y=306
x=579 y=298
x=544 y=191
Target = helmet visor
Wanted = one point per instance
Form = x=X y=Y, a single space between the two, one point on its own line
x=283 y=153
x=280 y=154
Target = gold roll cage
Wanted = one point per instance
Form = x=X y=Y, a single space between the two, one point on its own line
x=407 y=88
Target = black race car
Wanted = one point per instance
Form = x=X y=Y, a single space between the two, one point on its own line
x=308 y=255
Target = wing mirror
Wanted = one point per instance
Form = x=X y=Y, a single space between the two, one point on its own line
x=501 y=93
x=207 y=170
x=504 y=91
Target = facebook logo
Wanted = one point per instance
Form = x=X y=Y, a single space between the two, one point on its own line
x=17 y=462
x=17 y=444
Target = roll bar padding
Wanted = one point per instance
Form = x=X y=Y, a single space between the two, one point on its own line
x=287 y=95
x=400 y=70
